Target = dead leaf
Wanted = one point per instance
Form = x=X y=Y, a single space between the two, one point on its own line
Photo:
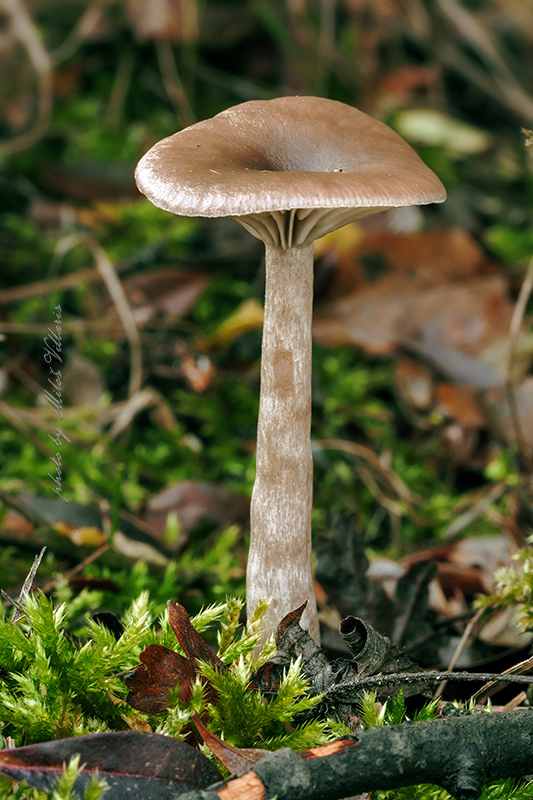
x=431 y=127
x=402 y=86
x=173 y=20
x=237 y=760
x=82 y=380
x=194 y=646
x=498 y=413
x=342 y=571
x=431 y=290
x=504 y=629
x=375 y=654
x=248 y=316
x=413 y=382
x=161 y=669
x=198 y=372
x=425 y=259
x=81 y=535
x=170 y=292
x=151 y=682
x=460 y=403
x=469 y=316
x=193 y=501
x=133 y=764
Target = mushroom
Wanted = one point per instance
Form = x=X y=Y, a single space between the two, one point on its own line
x=289 y=170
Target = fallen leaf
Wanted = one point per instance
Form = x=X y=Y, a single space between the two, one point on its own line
x=171 y=292
x=172 y=20
x=151 y=682
x=460 y=403
x=432 y=291
x=425 y=259
x=428 y=126
x=195 y=647
x=413 y=383
x=161 y=669
x=499 y=417
x=237 y=760
x=81 y=535
x=375 y=654
x=504 y=629
x=247 y=317
x=198 y=371
x=133 y=764
x=403 y=85
x=467 y=316
x=341 y=570
x=193 y=501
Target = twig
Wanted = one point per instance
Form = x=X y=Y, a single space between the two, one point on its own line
x=461 y=754
x=487 y=499
x=460 y=647
x=16 y=419
x=516 y=669
x=21 y=27
x=15 y=603
x=88 y=22
x=17 y=293
x=121 y=86
x=172 y=82
x=78 y=568
x=514 y=332
x=394 y=483
x=500 y=82
x=18 y=604
x=326 y=45
x=347 y=690
x=26 y=586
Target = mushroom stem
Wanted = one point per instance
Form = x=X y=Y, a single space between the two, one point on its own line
x=282 y=495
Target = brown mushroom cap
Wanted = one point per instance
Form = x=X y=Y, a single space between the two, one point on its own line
x=289 y=154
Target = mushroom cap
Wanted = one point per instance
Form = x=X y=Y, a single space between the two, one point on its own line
x=290 y=154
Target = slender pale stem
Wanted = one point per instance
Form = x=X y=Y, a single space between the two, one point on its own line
x=280 y=557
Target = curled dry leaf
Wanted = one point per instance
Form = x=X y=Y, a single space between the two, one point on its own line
x=374 y=655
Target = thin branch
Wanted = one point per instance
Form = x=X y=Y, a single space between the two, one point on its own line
x=21 y=27
x=488 y=497
x=388 y=476
x=460 y=647
x=500 y=82
x=514 y=332
x=516 y=669
x=26 y=586
x=348 y=689
x=460 y=753
x=172 y=82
